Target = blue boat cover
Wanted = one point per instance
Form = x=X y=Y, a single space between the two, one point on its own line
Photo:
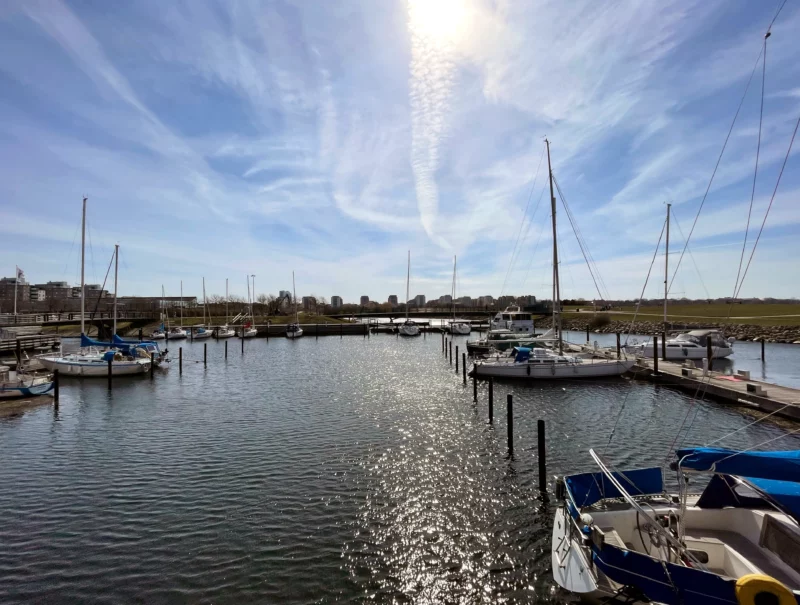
x=776 y=465
x=522 y=354
x=785 y=493
x=588 y=488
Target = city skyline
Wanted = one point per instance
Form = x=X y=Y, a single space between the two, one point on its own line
x=420 y=129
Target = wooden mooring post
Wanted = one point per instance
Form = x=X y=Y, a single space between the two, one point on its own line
x=451 y=352
x=464 y=366
x=226 y=349
x=491 y=399
x=587 y=333
x=242 y=341
x=180 y=360
x=655 y=354
x=709 y=354
x=762 y=349
x=474 y=387
x=619 y=348
x=55 y=387
x=191 y=334
x=510 y=422
x=456 y=359
x=205 y=354
x=663 y=346
x=19 y=354
x=540 y=437
x=152 y=364
x=109 y=372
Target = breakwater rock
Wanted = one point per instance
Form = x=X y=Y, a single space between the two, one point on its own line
x=787 y=334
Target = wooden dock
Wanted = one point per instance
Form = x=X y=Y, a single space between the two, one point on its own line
x=29 y=343
x=737 y=389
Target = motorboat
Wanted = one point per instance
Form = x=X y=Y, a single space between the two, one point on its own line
x=408 y=328
x=690 y=345
x=294 y=330
x=527 y=363
x=514 y=319
x=176 y=333
x=225 y=332
x=618 y=536
x=201 y=332
x=158 y=334
x=16 y=385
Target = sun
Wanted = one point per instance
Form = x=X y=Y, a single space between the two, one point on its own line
x=439 y=21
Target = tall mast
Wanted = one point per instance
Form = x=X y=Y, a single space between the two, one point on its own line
x=116 y=276
x=556 y=288
x=249 y=303
x=164 y=311
x=294 y=295
x=83 y=264
x=408 y=280
x=204 y=302
x=666 y=269
x=181 y=303
x=453 y=289
x=226 y=301
x=253 y=317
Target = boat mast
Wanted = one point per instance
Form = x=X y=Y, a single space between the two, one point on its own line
x=408 y=279
x=83 y=265
x=116 y=275
x=556 y=289
x=164 y=312
x=204 y=302
x=666 y=271
x=453 y=289
x=181 y=303
x=226 y=301
x=249 y=303
x=294 y=295
x=252 y=300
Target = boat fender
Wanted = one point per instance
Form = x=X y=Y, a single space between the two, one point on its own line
x=553 y=369
x=529 y=369
x=753 y=589
x=561 y=489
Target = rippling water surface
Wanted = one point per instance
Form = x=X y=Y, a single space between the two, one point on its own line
x=337 y=470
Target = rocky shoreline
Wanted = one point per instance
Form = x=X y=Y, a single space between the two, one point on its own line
x=742 y=332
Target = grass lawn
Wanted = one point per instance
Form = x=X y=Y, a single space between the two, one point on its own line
x=762 y=315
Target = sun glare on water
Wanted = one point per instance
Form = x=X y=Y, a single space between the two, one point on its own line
x=438 y=21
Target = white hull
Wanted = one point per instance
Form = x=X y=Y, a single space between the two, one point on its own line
x=177 y=335
x=551 y=370
x=225 y=332
x=679 y=352
x=26 y=387
x=296 y=334
x=157 y=336
x=408 y=330
x=460 y=328
x=202 y=335
x=251 y=333
x=89 y=366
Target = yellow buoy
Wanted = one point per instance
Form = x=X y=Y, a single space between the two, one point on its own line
x=755 y=589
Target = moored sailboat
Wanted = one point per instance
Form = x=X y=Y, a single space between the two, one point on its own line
x=409 y=327
x=224 y=331
x=294 y=330
x=457 y=326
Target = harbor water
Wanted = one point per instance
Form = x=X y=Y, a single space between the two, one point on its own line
x=314 y=471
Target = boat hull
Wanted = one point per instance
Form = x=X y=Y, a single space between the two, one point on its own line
x=19 y=392
x=550 y=371
x=223 y=333
x=680 y=353
x=408 y=331
x=460 y=329
x=94 y=367
x=202 y=335
x=296 y=334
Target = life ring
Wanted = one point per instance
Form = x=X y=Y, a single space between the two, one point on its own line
x=751 y=586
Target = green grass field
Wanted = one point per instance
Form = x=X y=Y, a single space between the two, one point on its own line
x=754 y=314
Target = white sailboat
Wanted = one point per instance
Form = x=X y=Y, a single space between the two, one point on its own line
x=160 y=333
x=225 y=331
x=90 y=362
x=294 y=330
x=457 y=326
x=177 y=332
x=203 y=332
x=248 y=328
x=408 y=328
x=536 y=363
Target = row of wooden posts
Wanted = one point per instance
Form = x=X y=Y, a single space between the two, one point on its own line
x=447 y=349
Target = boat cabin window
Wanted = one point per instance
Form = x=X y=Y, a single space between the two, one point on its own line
x=506 y=316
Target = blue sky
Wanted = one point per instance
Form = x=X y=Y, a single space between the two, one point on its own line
x=221 y=139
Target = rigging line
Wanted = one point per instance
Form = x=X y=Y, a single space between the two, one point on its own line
x=772 y=199
x=755 y=171
x=533 y=255
x=691 y=256
x=572 y=223
x=528 y=228
x=103 y=287
x=780 y=8
x=757 y=445
x=579 y=234
x=641 y=296
x=71 y=247
x=716 y=167
x=524 y=214
x=749 y=425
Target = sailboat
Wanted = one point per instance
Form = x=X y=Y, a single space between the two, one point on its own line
x=294 y=330
x=177 y=332
x=88 y=361
x=202 y=331
x=17 y=384
x=457 y=326
x=539 y=363
x=408 y=328
x=248 y=328
x=225 y=331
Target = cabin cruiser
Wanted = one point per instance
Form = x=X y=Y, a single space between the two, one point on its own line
x=513 y=319
x=202 y=332
x=619 y=536
x=225 y=332
x=176 y=333
x=691 y=345
x=408 y=328
x=459 y=327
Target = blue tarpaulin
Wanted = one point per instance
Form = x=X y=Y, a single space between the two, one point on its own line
x=588 y=488
x=522 y=354
x=779 y=466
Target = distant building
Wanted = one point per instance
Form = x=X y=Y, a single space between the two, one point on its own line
x=505 y=301
x=308 y=303
x=147 y=303
x=393 y=300
x=364 y=301
x=55 y=290
x=486 y=301
x=419 y=300
x=7 y=285
x=336 y=302
x=466 y=301
x=38 y=294
x=285 y=294
x=445 y=300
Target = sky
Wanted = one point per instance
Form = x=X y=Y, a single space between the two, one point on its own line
x=223 y=139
